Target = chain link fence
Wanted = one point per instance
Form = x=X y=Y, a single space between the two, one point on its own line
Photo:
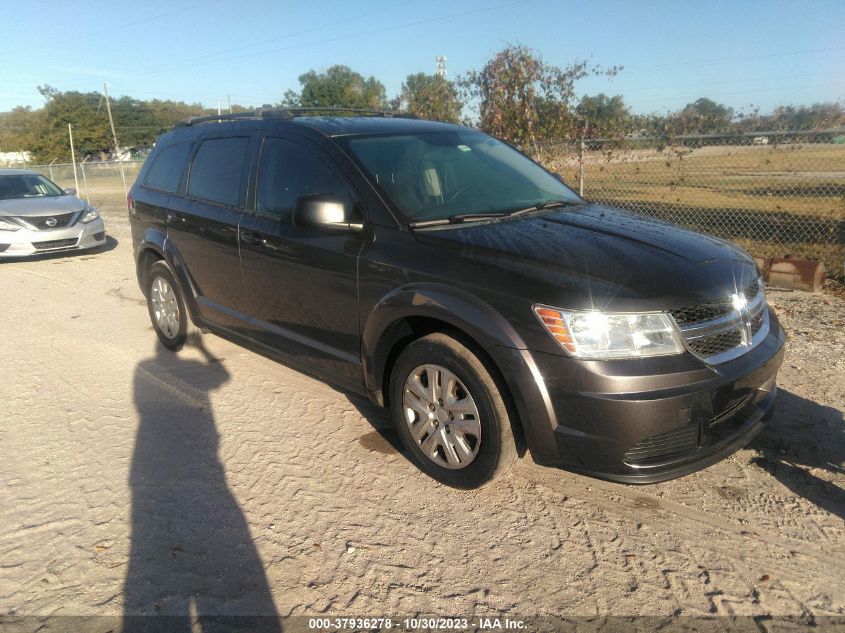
x=775 y=193
x=100 y=182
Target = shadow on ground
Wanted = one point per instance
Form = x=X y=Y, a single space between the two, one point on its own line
x=803 y=439
x=192 y=558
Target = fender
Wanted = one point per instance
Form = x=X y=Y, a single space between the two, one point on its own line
x=155 y=239
x=444 y=303
x=484 y=325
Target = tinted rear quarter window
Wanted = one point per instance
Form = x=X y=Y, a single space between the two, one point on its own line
x=218 y=169
x=166 y=170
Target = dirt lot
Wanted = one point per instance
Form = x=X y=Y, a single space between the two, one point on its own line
x=217 y=481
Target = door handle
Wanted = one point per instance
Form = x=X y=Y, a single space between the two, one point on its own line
x=176 y=218
x=252 y=239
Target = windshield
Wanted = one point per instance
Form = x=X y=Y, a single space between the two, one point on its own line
x=27 y=186
x=437 y=175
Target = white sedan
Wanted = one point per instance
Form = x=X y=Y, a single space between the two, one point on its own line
x=37 y=216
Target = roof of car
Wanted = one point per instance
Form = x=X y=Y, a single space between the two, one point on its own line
x=14 y=172
x=347 y=125
x=328 y=121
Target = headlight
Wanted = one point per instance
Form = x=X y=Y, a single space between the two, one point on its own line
x=89 y=215
x=599 y=335
x=7 y=225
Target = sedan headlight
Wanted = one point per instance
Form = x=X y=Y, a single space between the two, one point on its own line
x=89 y=215
x=600 y=335
x=8 y=225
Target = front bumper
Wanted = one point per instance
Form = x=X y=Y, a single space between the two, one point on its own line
x=25 y=242
x=642 y=420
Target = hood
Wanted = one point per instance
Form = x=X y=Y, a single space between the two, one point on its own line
x=48 y=205
x=596 y=256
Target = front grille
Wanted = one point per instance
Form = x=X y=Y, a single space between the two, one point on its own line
x=757 y=322
x=43 y=246
x=663 y=446
x=713 y=310
x=45 y=222
x=716 y=344
x=751 y=291
x=718 y=331
x=729 y=422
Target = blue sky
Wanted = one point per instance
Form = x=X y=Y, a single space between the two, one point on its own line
x=765 y=53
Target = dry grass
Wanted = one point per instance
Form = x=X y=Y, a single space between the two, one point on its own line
x=804 y=180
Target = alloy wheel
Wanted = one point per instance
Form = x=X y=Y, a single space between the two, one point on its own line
x=165 y=307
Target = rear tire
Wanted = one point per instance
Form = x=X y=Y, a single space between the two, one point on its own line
x=449 y=413
x=166 y=306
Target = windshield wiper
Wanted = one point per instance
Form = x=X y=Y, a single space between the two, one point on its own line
x=455 y=219
x=545 y=204
x=469 y=217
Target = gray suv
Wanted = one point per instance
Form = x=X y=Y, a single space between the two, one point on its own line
x=457 y=283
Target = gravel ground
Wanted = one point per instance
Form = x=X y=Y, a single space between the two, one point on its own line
x=216 y=481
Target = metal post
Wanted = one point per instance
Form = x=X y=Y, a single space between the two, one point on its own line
x=229 y=99
x=84 y=179
x=50 y=167
x=73 y=156
x=581 y=170
x=114 y=136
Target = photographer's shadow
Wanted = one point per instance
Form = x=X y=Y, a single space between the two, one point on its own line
x=192 y=557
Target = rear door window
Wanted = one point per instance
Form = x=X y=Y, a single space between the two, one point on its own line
x=166 y=170
x=217 y=172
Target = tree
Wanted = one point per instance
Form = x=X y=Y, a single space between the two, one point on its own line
x=91 y=135
x=16 y=128
x=522 y=99
x=703 y=116
x=340 y=87
x=604 y=116
x=431 y=97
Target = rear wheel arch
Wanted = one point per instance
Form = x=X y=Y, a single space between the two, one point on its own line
x=146 y=258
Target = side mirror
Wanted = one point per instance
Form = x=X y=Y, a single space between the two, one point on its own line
x=70 y=191
x=326 y=212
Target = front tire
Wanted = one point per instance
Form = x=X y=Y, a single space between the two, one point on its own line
x=166 y=306
x=450 y=414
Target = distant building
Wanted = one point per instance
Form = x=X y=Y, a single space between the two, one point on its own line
x=15 y=158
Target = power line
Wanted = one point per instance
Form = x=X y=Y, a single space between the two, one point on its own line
x=728 y=60
x=361 y=33
x=704 y=85
x=125 y=25
x=275 y=39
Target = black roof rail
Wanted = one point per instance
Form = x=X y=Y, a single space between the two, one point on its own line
x=269 y=112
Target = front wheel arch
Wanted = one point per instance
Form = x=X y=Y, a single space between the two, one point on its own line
x=402 y=332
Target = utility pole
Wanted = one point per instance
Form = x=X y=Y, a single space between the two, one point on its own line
x=441 y=66
x=218 y=107
x=114 y=136
x=111 y=121
x=72 y=156
x=229 y=99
